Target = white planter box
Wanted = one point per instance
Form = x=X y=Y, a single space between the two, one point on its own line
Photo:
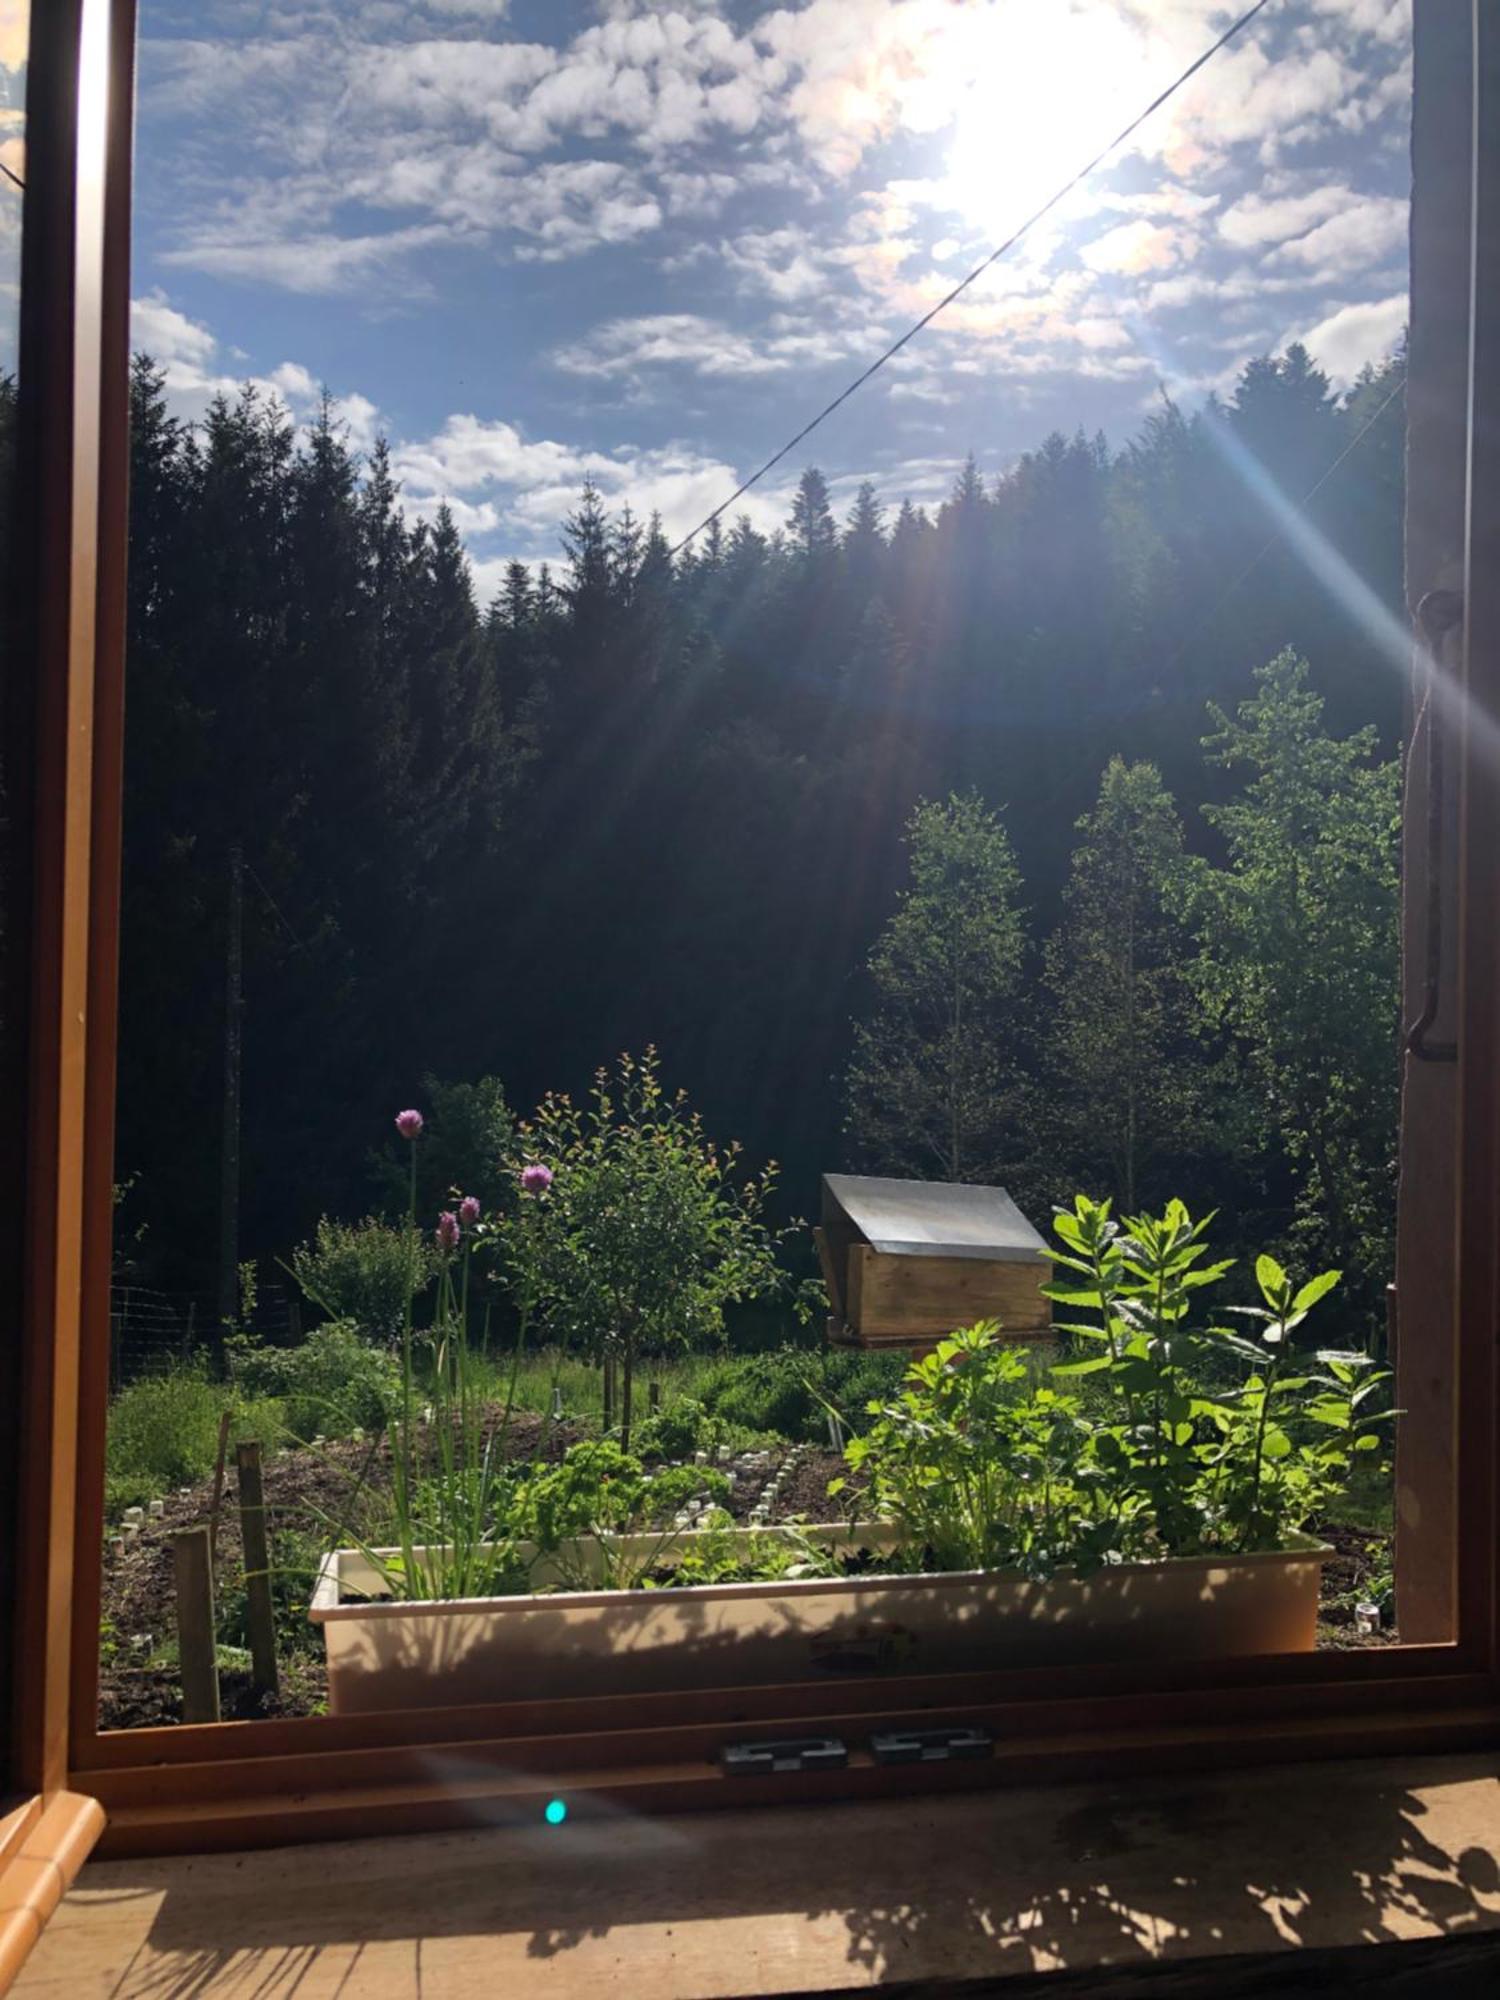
x=393 y=1655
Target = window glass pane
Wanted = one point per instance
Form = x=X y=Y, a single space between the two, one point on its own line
x=999 y=795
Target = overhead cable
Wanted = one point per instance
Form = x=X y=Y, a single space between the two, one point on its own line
x=979 y=269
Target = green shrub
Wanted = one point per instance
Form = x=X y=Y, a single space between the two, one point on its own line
x=684 y=1426
x=677 y=1431
x=789 y=1391
x=365 y=1272
x=164 y=1431
x=333 y=1384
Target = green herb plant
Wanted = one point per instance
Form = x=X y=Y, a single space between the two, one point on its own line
x=983 y=1470
x=983 y=1467
x=580 y=1514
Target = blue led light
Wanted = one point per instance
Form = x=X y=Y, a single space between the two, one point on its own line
x=555 y=1811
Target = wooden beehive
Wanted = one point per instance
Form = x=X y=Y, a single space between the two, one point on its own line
x=908 y=1262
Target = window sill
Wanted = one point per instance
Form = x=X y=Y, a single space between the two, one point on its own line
x=43 y=1844
x=1135 y=1877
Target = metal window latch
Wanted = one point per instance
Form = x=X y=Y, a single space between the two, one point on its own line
x=794 y=1753
x=1439 y=612
x=930 y=1746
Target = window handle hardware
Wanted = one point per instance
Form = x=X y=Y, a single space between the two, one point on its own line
x=930 y=1746
x=1440 y=612
x=792 y=1753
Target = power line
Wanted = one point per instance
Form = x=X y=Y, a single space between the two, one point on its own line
x=275 y=906
x=979 y=269
x=12 y=176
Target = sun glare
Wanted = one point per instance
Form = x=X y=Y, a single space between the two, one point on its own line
x=1036 y=88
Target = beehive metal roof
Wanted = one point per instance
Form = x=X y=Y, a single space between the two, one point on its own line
x=935 y=1218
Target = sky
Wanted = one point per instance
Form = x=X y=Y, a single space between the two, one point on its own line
x=531 y=241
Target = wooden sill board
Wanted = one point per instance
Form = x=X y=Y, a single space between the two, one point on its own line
x=812 y=1898
x=43 y=1844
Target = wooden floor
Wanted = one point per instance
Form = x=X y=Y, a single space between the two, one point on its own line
x=778 y=1901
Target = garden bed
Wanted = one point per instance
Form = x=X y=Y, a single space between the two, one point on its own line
x=139 y=1685
x=627 y=1614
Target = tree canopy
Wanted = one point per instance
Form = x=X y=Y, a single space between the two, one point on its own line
x=642 y=800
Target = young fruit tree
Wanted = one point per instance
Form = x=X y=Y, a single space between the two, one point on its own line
x=631 y=1230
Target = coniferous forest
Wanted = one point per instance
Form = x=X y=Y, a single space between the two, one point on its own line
x=1048 y=835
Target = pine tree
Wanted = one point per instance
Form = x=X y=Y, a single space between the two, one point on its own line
x=518 y=598
x=814 y=532
x=585 y=539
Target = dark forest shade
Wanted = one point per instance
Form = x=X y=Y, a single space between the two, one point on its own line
x=642 y=801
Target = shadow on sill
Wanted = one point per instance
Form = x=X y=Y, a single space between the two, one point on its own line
x=812 y=1898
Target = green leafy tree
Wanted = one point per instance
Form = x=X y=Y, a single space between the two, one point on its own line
x=931 y=1085
x=465 y=1148
x=633 y=1230
x=1123 y=1097
x=1297 y=953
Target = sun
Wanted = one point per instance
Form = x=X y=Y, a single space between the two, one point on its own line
x=1037 y=88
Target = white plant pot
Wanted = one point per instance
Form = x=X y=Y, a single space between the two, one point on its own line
x=392 y=1654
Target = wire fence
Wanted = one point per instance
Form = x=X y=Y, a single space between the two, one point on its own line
x=152 y=1330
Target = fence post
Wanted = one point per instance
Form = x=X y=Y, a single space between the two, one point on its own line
x=259 y=1613
x=197 y=1659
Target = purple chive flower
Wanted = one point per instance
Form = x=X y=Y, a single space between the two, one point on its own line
x=536 y=1179
x=468 y=1211
x=409 y=1124
x=447 y=1230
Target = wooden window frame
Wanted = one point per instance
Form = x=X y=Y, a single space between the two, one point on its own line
x=196 y=1787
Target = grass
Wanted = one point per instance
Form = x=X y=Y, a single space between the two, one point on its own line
x=164 y=1432
x=582 y=1382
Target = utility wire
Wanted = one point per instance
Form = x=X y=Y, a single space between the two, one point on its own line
x=979 y=269
x=275 y=906
x=1273 y=540
x=12 y=176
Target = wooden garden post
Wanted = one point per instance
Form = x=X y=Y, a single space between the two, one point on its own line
x=196 y=1655
x=259 y=1614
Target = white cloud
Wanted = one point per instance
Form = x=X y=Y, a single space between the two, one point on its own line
x=1134 y=246
x=1260 y=219
x=192 y=364
x=621 y=346
x=318 y=265
x=1368 y=232
x=169 y=335
x=1342 y=343
x=532 y=483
